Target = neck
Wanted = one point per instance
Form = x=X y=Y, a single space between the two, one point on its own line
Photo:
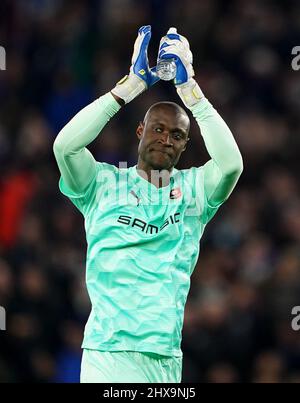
x=157 y=177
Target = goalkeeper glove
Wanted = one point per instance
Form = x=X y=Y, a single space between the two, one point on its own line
x=176 y=47
x=140 y=76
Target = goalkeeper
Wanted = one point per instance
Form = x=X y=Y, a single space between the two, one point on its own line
x=144 y=223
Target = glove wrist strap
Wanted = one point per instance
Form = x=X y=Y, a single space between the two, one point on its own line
x=129 y=87
x=190 y=93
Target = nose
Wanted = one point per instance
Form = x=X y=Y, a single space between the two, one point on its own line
x=165 y=138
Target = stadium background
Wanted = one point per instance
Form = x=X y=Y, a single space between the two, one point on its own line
x=63 y=54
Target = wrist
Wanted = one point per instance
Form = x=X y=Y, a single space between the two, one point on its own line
x=190 y=93
x=128 y=88
x=120 y=101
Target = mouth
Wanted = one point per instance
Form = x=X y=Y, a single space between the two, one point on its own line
x=160 y=151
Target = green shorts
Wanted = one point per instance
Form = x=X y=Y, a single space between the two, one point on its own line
x=129 y=366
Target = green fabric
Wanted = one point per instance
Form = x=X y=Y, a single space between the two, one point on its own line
x=140 y=257
x=129 y=367
x=76 y=164
x=222 y=171
x=142 y=243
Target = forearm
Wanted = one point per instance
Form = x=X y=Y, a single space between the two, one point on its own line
x=120 y=101
x=221 y=173
x=75 y=162
x=218 y=138
x=223 y=170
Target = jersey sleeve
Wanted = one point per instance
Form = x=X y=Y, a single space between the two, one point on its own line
x=75 y=162
x=222 y=171
x=92 y=195
x=199 y=204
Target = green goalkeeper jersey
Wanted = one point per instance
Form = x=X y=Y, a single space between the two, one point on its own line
x=143 y=244
x=142 y=241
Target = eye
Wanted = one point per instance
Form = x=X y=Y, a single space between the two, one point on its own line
x=158 y=129
x=177 y=136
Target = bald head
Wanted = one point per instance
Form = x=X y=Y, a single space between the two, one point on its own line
x=170 y=107
x=163 y=136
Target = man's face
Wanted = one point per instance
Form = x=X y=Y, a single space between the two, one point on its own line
x=163 y=137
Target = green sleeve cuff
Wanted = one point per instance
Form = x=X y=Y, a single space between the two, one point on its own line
x=110 y=104
x=201 y=109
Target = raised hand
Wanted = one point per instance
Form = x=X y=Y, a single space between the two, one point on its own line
x=175 y=46
x=140 y=75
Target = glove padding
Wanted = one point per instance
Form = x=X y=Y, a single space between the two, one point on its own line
x=140 y=76
x=175 y=46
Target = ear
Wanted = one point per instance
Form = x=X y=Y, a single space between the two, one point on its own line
x=140 y=130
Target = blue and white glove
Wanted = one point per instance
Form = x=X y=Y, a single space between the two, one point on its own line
x=176 y=47
x=140 y=76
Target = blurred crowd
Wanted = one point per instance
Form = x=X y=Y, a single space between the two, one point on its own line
x=61 y=55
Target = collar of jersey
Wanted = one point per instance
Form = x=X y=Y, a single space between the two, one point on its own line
x=139 y=180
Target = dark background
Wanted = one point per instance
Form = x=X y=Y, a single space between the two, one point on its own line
x=61 y=55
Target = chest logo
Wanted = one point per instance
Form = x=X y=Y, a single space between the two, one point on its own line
x=136 y=196
x=147 y=227
x=175 y=193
